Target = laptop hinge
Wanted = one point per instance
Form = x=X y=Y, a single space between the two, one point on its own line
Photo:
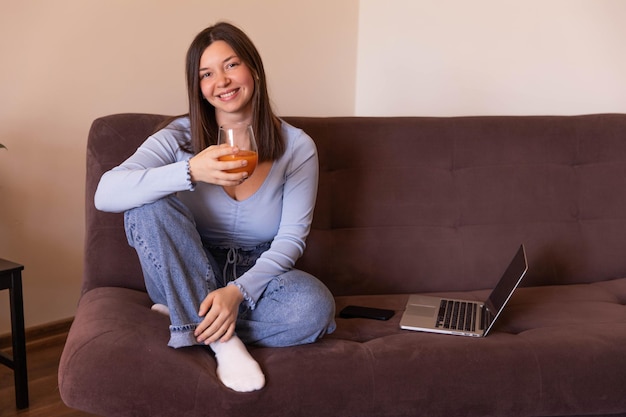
x=485 y=317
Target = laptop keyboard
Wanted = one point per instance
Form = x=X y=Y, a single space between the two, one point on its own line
x=457 y=315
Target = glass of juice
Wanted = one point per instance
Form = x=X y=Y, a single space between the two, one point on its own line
x=242 y=137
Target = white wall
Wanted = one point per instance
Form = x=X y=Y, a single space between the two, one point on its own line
x=458 y=57
x=66 y=62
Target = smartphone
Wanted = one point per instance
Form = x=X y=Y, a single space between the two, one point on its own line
x=351 y=312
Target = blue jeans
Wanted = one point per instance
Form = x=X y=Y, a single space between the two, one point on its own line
x=179 y=272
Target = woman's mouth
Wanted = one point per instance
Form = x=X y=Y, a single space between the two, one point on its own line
x=228 y=94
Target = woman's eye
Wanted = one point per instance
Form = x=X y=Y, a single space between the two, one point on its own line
x=231 y=65
x=205 y=75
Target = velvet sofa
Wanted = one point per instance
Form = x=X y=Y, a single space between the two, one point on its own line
x=405 y=205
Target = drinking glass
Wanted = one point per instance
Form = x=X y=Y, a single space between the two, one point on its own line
x=241 y=136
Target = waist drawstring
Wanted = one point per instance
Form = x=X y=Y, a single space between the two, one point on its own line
x=232 y=258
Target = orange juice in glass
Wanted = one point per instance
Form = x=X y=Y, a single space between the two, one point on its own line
x=241 y=136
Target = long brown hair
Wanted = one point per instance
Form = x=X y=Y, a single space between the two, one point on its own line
x=204 y=126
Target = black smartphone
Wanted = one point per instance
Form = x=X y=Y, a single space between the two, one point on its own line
x=351 y=312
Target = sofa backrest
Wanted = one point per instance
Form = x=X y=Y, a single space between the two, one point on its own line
x=427 y=204
x=109 y=260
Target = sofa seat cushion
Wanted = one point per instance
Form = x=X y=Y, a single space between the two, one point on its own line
x=545 y=357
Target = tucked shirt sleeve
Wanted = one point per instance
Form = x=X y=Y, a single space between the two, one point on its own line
x=298 y=203
x=158 y=168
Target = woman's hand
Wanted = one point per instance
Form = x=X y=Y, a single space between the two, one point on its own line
x=206 y=166
x=219 y=309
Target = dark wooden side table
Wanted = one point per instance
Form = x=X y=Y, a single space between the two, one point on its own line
x=11 y=279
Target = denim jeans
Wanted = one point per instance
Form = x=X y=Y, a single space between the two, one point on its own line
x=179 y=272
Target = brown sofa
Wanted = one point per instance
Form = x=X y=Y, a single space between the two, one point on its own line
x=428 y=205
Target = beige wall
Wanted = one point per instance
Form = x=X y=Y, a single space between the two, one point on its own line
x=446 y=58
x=66 y=62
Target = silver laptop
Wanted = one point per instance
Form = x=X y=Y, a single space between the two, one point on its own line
x=464 y=317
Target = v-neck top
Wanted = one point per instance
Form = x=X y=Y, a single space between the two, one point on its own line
x=280 y=211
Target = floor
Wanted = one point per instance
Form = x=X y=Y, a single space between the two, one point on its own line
x=42 y=361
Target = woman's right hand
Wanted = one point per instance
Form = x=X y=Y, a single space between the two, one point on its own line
x=206 y=166
x=219 y=312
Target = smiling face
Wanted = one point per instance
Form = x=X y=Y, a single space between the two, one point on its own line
x=227 y=83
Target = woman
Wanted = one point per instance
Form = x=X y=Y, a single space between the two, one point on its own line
x=218 y=249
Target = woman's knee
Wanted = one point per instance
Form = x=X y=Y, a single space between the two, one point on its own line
x=158 y=210
x=314 y=305
x=295 y=309
x=158 y=215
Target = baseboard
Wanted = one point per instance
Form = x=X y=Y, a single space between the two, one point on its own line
x=38 y=333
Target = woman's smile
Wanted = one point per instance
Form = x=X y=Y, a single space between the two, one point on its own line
x=228 y=95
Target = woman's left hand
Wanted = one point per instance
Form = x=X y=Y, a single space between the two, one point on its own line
x=219 y=309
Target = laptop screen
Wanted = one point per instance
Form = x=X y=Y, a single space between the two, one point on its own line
x=509 y=281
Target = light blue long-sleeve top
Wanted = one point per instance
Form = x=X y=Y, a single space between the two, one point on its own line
x=280 y=211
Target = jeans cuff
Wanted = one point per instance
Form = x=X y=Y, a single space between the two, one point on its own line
x=182 y=336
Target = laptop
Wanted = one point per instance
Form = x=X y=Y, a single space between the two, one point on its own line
x=464 y=317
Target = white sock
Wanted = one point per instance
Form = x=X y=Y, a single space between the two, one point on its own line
x=235 y=366
x=161 y=308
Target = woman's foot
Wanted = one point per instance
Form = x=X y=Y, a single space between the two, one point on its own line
x=161 y=308
x=236 y=368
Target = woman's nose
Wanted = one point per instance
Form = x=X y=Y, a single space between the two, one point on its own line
x=223 y=80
